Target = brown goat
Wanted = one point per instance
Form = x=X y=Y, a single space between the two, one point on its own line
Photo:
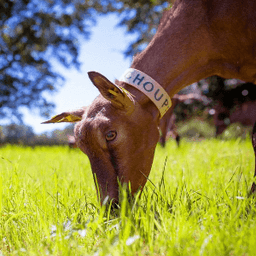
x=195 y=39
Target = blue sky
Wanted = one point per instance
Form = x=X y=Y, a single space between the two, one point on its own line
x=102 y=53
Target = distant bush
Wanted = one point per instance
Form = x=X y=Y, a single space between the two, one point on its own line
x=236 y=130
x=196 y=128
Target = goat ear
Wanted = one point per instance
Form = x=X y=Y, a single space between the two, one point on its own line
x=68 y=117
x=118 y=96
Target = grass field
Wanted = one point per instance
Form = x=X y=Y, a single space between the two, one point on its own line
x=195 y=203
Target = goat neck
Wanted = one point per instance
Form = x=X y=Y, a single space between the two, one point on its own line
x=192 y=45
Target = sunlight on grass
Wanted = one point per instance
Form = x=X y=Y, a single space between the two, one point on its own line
x=195 y=203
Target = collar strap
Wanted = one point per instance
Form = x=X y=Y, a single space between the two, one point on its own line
x=147 y=85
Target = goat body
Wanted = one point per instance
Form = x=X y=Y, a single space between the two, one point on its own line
x=195 y=39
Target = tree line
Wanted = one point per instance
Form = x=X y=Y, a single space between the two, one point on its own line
x=21 y=134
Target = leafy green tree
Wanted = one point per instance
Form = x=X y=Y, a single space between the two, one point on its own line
x=33 y=32
x=1 y=135
x=142 y=18
x=18 y=134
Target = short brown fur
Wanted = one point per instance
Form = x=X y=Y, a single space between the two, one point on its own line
x=195 y=39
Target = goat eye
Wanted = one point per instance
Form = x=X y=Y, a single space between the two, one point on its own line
x=111 y=135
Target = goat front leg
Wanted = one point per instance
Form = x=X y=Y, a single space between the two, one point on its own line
x=253 y=188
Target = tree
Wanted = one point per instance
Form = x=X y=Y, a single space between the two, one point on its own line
x=140 y=17
x=32 y=33
x=18 y=134
x=1 y=135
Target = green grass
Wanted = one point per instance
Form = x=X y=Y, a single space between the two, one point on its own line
x=195 y=203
